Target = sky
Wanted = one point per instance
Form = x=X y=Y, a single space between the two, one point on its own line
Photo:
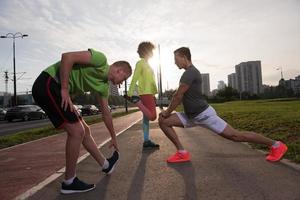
x=220 y=35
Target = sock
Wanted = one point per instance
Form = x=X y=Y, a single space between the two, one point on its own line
x=146 y=128
x=182 y=151
x=276 y=144
x=105 y=164
x=69 y=181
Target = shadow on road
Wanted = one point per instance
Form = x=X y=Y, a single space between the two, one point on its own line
x=186 y=170
x=136 y=187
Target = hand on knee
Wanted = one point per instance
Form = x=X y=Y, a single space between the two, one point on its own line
x=161 y=121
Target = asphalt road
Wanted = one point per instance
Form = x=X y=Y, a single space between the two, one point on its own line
x=8 y=128
x=220 y=169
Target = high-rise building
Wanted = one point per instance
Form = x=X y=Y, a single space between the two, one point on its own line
x=232 y=81
x=113 y=89
x=205 y=84
x=293 y=84
x=249 y=77
x=221 y=85
x=297 y=85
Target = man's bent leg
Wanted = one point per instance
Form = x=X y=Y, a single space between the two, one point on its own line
x=90 y=145
x=88 y=142
x=166 y=125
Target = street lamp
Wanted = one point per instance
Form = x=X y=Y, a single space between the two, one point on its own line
x=160 y=95
x=126 y=104
x=14 y=36
x=280 y=68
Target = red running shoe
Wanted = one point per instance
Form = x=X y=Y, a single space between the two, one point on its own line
x=276 y=153
x=179 y=157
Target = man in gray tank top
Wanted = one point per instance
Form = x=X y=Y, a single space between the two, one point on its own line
x=197 y=112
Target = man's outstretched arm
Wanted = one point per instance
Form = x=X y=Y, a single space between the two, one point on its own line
x=107 y=119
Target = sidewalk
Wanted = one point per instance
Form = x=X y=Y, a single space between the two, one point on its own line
x=220 y=169
x=24 y=166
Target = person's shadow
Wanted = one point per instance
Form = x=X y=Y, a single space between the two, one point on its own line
x=186 y=170
x=136 y=187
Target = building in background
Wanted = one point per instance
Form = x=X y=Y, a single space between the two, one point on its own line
x=113 y=89
x=293 y=84
x=249 y=77
x=4 y=99
x=221 y=85
x=232 y=81
x=205 y=84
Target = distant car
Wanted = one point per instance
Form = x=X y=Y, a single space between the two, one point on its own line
x=109 y=108
x=25 y=112
x=78 y=108
x=2 y=114
x=89 y=110
x=113 y=107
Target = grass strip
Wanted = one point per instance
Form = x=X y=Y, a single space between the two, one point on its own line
x=37 y=133
x=277 y=119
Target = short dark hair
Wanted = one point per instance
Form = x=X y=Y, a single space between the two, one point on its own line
x=124 y=65
x=144 y=48
x=184 y=51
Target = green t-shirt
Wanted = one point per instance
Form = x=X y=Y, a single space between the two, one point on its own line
x=91 y=77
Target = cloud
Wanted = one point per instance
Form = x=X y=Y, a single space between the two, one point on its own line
x=220 y=34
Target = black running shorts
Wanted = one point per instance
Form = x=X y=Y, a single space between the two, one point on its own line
x=47 y=94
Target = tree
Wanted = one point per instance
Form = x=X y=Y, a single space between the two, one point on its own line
x=168 y=93
x=228 y=93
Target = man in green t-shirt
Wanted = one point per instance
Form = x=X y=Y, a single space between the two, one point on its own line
x=76 y=73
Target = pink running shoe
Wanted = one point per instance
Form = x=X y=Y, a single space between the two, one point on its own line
x=276 y=153
x=179 y=157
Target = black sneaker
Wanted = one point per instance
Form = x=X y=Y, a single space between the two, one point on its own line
x=132 y=99
x=150 y=145
x=112 y=163
x=76 y=187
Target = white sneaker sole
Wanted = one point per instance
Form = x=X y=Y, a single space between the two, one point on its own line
x=76 y=191
x=112 y=169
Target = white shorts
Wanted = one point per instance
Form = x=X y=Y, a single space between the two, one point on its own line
x=208 y=119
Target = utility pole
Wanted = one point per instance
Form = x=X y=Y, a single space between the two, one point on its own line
x=6 y=81
x=14 y=36
x=159 y=80
x=6 y=88
x=126 y=104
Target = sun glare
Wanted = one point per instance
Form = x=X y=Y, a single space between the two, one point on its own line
x=168 y=69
